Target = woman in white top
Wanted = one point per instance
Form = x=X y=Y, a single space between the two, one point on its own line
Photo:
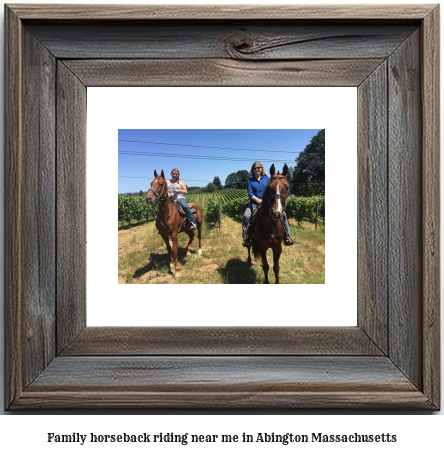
x=176 y=190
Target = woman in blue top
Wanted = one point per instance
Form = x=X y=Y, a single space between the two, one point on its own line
x=255 y=189
x=176 y=190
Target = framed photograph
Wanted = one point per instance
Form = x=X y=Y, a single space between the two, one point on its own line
x=56 y=359
x=221 y=271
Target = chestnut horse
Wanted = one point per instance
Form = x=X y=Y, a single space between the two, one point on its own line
x=168 y=219
x=268 y=230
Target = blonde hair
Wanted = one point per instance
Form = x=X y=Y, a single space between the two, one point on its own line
x=254 y=165
x=178 y=173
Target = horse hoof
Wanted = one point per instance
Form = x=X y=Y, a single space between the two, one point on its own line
x=200 y=251
x=188 y=254
x=177 y=276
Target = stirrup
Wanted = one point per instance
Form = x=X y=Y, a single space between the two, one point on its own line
x=288 y=241
x=246 y=241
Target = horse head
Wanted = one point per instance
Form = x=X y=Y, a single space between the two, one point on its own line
x=158 y=189
x=277 y=192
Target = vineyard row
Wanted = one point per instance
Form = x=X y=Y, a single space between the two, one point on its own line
x=299 y=208
x=232 y=203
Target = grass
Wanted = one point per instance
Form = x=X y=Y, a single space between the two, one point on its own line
x=143 y=257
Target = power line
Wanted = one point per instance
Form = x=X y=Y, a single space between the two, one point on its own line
x=196 y=157
x=196 y=180
x=211 y=147
x=152 y=178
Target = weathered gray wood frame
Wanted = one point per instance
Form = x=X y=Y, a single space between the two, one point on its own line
x=390 y=360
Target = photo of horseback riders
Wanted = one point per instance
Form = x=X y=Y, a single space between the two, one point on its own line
x=274 y=209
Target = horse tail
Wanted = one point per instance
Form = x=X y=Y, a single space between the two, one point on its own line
x=255 y=247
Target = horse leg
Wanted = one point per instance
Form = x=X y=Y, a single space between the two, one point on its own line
x=167 y=243
x=175 y=254
x=191 y=236
x=265 y=266
x=276 y=255
x=198 y=219
x=249 y=255
x=199 y=235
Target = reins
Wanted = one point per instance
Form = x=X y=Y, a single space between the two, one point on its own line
x=159 y=199
x=275 y=226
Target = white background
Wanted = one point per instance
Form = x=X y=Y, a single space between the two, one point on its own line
x=416 y=432
x=329 y=304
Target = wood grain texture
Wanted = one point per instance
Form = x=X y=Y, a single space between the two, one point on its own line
x=233 y=382
x=405 y=208
x=13 y=207
x=206 y=373
x=127 y=341
x=372 y=207
x=104 y=367
x=430 y=93
x=222 y=72
x=234 y=40
x=220 y=12
x=71 y=206
x=39 y=230
x=259 y=401
x=30 y=227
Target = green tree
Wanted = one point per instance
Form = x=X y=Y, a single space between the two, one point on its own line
x=238 y=179
x=217 y=182
x=211 y=188
x=309 y=172
x=290 y=176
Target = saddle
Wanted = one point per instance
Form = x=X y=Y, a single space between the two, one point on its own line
x=180 y=209
x=182 y=214
x=253 y=216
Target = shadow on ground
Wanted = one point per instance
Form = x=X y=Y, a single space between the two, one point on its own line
x=238 y=271
x=160 y=261
x=134 y=224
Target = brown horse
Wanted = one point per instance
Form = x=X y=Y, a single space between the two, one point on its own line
x=169 y=220
x=268 y=230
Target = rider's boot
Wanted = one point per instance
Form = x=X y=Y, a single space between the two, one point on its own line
x=246 y=241
x=287 y=238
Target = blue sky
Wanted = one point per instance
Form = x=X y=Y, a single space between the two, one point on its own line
x=143 y=151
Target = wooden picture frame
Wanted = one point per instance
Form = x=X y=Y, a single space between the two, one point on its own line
x=389 y=360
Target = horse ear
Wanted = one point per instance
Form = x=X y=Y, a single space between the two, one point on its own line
x=285 y=170
x=272 y=170
x=162 y=175
x=155 y=173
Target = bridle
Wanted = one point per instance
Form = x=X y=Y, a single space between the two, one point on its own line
x=269 y=200
x=158 y=197
x=275 y=226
